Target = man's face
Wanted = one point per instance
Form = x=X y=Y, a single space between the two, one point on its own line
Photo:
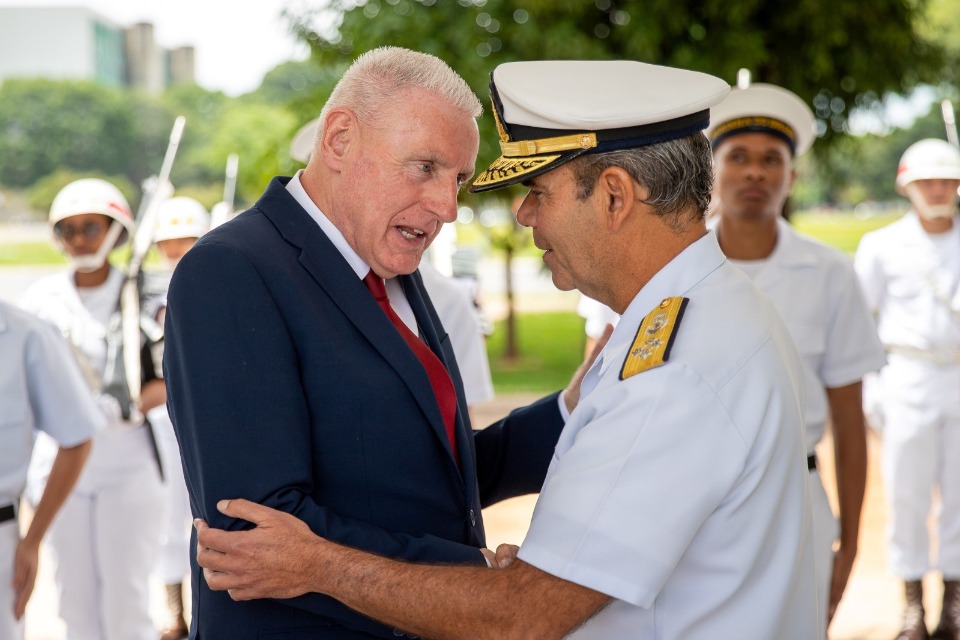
x=174 y=249
x=403 y=182
x=935 y=198
x=563 y=226
x=753 y=175
x=82 y=234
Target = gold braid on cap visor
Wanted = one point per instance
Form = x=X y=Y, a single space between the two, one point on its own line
x=754 y=121
x=527 y=148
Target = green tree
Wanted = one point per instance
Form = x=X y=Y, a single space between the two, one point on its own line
x=47 y=125
x=835 y=55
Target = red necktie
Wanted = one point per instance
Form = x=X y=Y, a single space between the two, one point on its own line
x=440 y=380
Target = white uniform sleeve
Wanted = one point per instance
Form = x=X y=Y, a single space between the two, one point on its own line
x=853 y=347
x=867 y=265
x=62 y=403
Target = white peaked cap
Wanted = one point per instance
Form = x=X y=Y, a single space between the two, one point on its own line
x=549 y=112
x=764 y=108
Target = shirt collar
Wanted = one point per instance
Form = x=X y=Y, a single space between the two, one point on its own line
x=358 y=264
x=678 y=277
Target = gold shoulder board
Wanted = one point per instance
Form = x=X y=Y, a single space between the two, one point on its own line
x=651 y=346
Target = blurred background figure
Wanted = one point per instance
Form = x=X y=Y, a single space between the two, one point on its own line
x=180 y=223
x=42 y=389
x=105 y=540
x=756 y=134
x=910 y=272
x=597 y=317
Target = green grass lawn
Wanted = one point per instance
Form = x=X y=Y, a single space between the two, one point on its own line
x=840 y=230
x=551 y=348
x=29 y=253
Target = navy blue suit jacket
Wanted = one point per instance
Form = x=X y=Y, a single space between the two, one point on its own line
x=288 y=386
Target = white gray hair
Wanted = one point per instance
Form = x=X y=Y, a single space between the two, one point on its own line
x=678 y=174
x=374 y=79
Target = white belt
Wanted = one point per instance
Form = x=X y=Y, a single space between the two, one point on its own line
x=932 y=356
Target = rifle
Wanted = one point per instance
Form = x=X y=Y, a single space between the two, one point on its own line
x=130 y=321
x=950 y=121
x=222 y=210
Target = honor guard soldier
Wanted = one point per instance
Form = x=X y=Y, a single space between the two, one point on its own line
x=107 y=534
x=910 y=272
x=675 y=506
x=756 y=134
x=41 y=389
x=180 y=223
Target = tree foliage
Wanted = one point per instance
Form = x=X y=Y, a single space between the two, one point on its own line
x=55 y=128
x=835 y=55
x=47 y=125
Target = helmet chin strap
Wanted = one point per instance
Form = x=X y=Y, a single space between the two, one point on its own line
x=929 y=211
x=92 y=262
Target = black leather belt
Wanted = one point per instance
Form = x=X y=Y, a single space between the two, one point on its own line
x=7 y=513
x=812 y=462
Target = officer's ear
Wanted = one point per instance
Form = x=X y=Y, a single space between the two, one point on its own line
x=617 y=192
x=339 y=134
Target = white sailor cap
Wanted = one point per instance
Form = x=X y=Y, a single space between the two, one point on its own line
x=549 y=112
x=764 y=108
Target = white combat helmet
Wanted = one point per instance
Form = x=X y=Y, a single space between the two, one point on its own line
x=92 y=195
x=928 y=159
x=181 y=217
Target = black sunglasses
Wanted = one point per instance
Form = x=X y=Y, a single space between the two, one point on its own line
x=89 y=230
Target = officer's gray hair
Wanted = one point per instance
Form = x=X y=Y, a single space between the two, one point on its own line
x=678 y=174
x=377 y=76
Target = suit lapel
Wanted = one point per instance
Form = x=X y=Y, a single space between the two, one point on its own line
x=326 y=266
x=432 y=333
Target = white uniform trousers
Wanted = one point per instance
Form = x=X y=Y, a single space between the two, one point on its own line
x=173 y=561
x=825 y=530
x=105 y=540
x=9 y=537
x=921 y=451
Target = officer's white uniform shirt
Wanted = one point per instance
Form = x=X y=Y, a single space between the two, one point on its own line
x=816 y=291
x=681 y=491
x=40 y=389
x=911 y=279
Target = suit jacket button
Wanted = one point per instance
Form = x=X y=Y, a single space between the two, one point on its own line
x=473 y=518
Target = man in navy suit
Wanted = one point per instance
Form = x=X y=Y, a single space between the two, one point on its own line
x=290 y=385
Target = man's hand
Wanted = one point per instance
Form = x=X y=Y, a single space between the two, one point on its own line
x=25 y=562
x=268 y=561
x=571 y=395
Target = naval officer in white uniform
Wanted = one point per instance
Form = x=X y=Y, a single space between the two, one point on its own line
x=41 y=389
x=676 y=503
x=910 y=272
x=756 y=134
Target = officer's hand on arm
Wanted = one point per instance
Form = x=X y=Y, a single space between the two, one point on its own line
x=281 y=558
x=571 y=395
x=271 y=560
